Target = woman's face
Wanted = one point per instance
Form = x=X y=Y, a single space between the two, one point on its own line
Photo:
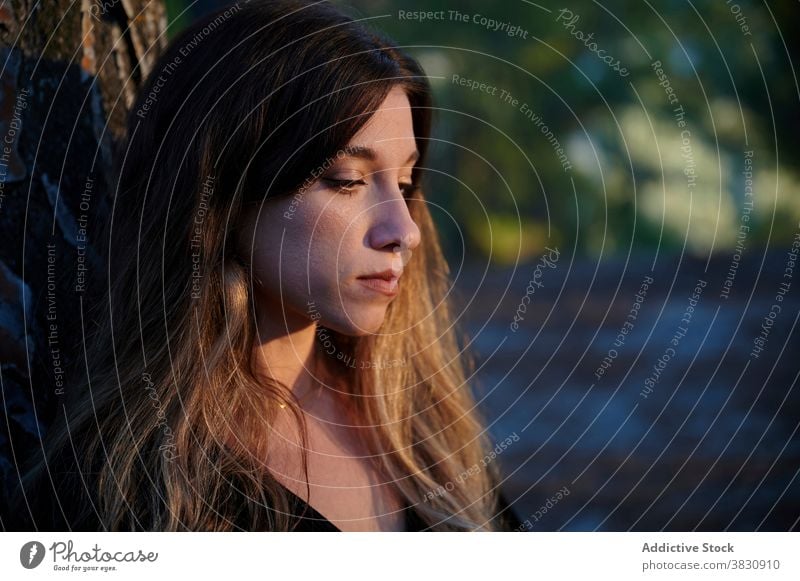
x=335 y=251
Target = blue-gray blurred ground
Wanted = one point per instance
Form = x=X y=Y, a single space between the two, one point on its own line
x=714 y=446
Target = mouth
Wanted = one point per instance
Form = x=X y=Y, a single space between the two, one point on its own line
x=385 y=282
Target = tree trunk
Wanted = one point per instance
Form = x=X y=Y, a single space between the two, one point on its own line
x=71 y=69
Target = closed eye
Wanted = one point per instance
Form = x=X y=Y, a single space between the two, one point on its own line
x=347 y=187
x=344 y=186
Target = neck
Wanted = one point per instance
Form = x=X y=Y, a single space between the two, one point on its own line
x=286 y=350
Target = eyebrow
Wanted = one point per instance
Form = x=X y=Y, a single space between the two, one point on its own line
x=369 y=154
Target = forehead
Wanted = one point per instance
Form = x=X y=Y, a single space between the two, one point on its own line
x=391 y=126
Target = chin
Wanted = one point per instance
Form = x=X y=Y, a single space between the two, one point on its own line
x=368 y=321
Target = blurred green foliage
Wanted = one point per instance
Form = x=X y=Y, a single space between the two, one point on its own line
x=496 y=182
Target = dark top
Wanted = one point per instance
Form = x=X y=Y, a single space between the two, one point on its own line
x=310 y=520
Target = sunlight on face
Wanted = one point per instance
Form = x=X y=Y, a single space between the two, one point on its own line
x=313 y=253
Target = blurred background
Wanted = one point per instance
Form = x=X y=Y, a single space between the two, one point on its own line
x=617 y=186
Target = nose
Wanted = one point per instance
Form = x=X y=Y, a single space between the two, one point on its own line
x=394 y=227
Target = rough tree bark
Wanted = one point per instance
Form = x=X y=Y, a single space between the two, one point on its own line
x=70 y=70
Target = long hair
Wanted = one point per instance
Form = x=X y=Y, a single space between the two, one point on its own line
x=169 y=424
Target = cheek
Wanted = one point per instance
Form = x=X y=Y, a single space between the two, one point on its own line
x=303 y=257
x=336 y=255
x=327 y=238
x=307 y=263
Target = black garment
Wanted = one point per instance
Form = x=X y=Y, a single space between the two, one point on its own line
x=310 y=520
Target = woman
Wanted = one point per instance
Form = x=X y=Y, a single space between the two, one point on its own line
x=275 y=343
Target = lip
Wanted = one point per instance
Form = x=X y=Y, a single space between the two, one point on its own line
x=387 y=274
x=385 y=282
